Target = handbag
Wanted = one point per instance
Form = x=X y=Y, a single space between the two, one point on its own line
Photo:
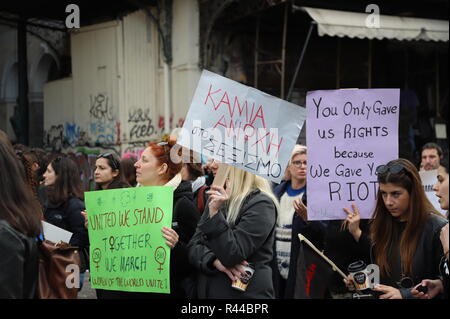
x=53 y=272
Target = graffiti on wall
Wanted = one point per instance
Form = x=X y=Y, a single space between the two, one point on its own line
x=140 y=123
x=104 y=132
x=53 y=138
x=100 y=109
x=161 y=123
x=60 y=137
x=103 y=127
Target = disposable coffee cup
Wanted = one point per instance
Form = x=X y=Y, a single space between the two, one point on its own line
x=363 y=276
x=242 y=283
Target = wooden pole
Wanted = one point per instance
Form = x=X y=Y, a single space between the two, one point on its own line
x=332 y=264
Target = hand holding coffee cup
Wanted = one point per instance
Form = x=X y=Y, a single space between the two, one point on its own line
x=243 y=280
x=362 y=276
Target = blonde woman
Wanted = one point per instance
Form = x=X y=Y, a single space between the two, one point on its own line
x=236 y=229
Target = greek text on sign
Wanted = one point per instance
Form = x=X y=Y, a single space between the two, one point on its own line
x=241 y=126
x=349 y=133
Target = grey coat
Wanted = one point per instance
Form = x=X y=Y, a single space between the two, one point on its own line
x=250 y=239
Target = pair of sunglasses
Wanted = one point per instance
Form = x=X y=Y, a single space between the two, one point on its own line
x=110 y=156
x=393 y=169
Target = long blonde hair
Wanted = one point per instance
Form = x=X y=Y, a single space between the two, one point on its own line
x=242 y=183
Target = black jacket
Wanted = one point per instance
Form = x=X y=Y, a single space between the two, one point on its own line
x=426 y=259
x=67 y=215
x=250 y=239
x=184 y=222
x=443 y=270
x=18 y=264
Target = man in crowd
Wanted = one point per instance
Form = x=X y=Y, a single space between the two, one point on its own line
x=431 y=157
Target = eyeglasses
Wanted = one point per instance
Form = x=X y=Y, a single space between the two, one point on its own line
x=298 y=164
x=110 y=156
x=393 y=169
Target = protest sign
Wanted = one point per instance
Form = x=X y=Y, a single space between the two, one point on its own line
x=349 y=134
x=55 y=234
x=127 y=250
x=241 y=126
x=429 y=179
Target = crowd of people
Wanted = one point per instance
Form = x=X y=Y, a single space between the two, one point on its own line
x=220 y=231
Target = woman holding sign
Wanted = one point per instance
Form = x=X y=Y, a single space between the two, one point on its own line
x=108 y=174
x=156 y=168
x=404 y=233
x=233 y=246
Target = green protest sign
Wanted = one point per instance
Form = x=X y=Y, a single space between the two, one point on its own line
x=127 y=250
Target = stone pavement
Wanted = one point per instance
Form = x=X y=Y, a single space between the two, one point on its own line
x=87 y=292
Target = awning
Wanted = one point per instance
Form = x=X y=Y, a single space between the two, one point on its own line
x=353 y=25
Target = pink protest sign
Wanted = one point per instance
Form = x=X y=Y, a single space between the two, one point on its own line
x=349 y=134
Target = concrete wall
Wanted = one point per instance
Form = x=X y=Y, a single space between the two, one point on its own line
x=118 y=83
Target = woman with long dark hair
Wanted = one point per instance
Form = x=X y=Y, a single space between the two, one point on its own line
x=20 y=223
x=404 y=233
x=109 y=173
x=65 y=199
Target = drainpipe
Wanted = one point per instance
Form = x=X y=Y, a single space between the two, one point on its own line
x=23 y=82
x=167 y=98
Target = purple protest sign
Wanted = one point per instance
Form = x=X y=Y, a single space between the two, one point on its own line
x=349 y=133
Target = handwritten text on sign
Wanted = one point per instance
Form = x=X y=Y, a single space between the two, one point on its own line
x=241 y=126
x=128 y=252
x=349 y=134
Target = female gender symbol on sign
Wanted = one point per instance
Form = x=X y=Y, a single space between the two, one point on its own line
x=96 y=257
x=160 y=257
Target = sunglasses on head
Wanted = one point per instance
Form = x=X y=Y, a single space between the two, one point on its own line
x=393 y=169
x=58 y=159
x=110 y=156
